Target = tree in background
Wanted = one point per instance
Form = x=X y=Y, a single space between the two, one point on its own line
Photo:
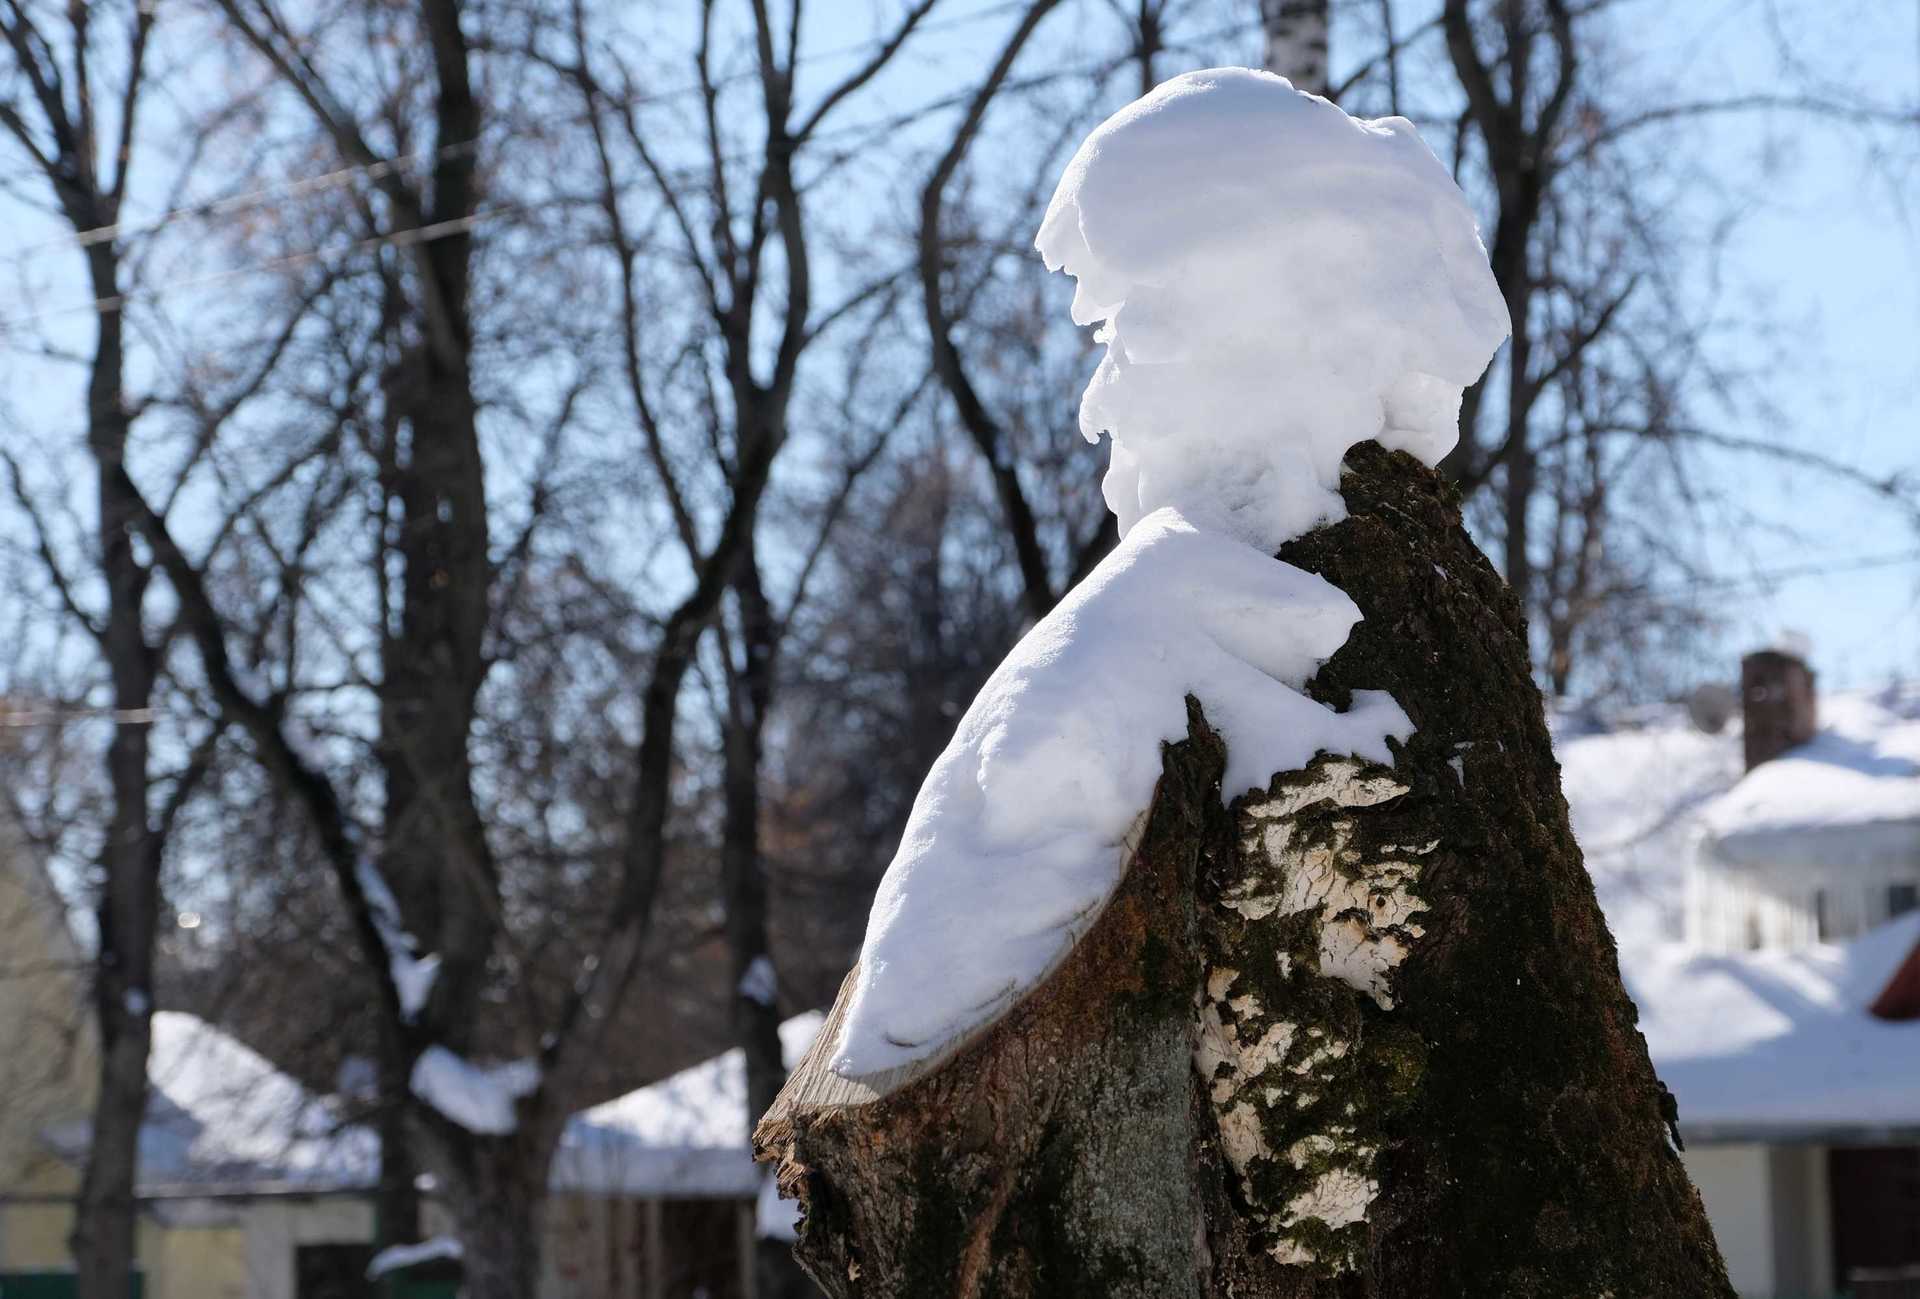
x=73 y=98
x=1294 y=42
x=418 y=864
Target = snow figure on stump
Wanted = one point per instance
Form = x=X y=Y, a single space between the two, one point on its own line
x=1237 y=944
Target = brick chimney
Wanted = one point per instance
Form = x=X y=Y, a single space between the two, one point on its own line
x=1776 y=697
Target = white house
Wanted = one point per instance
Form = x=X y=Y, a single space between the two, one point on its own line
x=1761 y=885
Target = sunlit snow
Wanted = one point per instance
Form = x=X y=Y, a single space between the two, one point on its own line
x=1277 y=282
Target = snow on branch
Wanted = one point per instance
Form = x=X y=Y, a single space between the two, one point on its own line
x=413 y=975
x=395 y=1257
x=478 y=1097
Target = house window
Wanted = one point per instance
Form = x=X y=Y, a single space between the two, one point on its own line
x=1902 y=898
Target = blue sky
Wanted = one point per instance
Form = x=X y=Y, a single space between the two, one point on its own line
x=1826 y=254
x=1818 y=286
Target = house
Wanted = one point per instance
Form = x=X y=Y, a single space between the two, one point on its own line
x=657 y=1190
x=247 y=1181
x=1761 y=885
x=49 y=1069
x=254 y=1187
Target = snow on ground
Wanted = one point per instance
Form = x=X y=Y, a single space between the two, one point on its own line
x=684 y=1135
x=1277 y=281
x=478 y=1097
x=221 y=1112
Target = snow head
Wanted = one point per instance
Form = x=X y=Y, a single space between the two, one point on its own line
x=1278 y=282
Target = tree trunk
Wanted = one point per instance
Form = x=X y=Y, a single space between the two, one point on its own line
x=1361 y=1036
x=396 y=1197
x=498 y=1201
x=103 y=1238
x=1294 y=42
x=755 y=1004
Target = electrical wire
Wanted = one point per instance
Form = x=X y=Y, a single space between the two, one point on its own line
x=398 y=239
x=384 y=167
x=459 y=225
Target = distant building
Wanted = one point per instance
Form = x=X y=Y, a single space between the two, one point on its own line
x=253 y=1187
x=1762 y=886
x=1820 y=840
x=49 y=1067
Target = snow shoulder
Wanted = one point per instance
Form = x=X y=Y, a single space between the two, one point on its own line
x=1014 y=842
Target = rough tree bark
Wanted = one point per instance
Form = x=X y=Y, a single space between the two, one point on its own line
x=1361 y=1035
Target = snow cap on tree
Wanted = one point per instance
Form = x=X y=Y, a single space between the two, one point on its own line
x=1278 y=282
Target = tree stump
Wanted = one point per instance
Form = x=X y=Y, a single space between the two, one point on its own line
x=1361 y=1035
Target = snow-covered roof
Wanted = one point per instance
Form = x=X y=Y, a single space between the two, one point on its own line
x=686 y=1135
x=1850 y=797
x=1635 y=791
x=221 y=1113
x=1780 y=1043
x=1767 y=1044
x=221 y=1116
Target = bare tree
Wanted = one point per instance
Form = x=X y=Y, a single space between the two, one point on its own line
x=961 y=254
x=750 y=262
x=73 y=112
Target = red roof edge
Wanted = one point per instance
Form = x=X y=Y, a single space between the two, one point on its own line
x=1900 y=999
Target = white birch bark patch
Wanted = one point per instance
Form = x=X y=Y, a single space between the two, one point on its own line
x=1276 y=1046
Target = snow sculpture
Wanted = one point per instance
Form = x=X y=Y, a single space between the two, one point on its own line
x=1277 y=282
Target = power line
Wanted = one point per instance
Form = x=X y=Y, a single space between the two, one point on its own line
x=459 y=225
x=241 y=202
x=398 y=239
x=384 y=167
x=54 y=716
x=1789 y=573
